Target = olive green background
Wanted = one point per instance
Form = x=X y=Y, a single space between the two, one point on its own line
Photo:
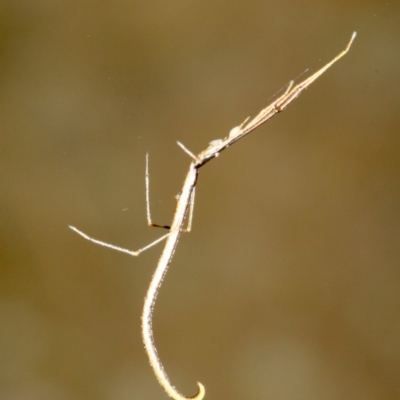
x=288 y=287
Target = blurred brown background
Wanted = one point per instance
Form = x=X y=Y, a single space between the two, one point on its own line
x=288 y=286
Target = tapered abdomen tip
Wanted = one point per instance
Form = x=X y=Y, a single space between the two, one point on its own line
x=201 y=392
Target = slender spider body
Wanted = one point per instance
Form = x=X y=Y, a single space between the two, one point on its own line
x=184 y=208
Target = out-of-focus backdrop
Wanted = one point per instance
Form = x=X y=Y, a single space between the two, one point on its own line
x=288 y=286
